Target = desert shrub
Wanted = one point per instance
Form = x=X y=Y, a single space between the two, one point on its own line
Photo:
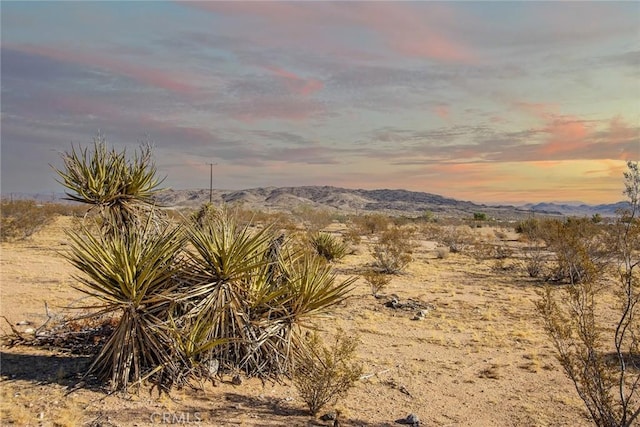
x=442 y=252
x=370 y=224
x=531 y=228
x=324 y=374
x=313 y=219
x=376 y=280
x=479 y=216
x=429 y=216
x=601 y=359
x=486 y=250
x=328 y=246
x=393 y=249
x=580 y=248
x=456 y=238
x=351 y=237
x=22 y=218
x=208 y=292
x=534 y=258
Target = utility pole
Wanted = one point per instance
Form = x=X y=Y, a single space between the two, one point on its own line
x=211 y=181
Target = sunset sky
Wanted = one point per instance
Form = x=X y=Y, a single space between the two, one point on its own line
x=485 y=101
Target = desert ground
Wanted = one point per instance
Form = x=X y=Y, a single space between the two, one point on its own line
x=479 y=357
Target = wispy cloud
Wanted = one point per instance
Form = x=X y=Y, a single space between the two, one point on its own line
x=474 y=100
x=176 y=82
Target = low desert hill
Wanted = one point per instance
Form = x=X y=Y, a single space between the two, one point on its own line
x=358 y=201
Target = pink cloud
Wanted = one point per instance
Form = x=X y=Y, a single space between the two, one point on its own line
x=417 y=31
x=173 y=82
x=442 y=111
x=566 y=134
x=295 y=83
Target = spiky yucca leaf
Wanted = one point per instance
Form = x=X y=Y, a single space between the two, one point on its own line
x=312 y=288
x=251 y=291
x=328 y=246
x=121 y=188
x=105 y=177
x=131 y=274
x=226 y=263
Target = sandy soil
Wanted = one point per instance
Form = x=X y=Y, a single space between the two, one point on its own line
x=478 y=358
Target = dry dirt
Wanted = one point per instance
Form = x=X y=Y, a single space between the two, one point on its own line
x=478 y=358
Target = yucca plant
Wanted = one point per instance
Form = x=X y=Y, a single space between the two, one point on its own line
x=328 y=246
x=252 y=295
x=121 y=188
x=131 y=274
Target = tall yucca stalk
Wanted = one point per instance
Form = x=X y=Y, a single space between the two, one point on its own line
x=131 y=274
x=253 y=296
x=121 y=188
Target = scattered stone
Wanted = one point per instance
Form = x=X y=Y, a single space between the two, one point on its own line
x=409 y=305
x=213 y=366
x=23 y=323
x=393 y=303
x=330 y=416
x=236 y=380
x=29 y=331
x=420 y=315
x=411 y=419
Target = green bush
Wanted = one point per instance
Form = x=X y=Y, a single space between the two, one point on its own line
x=479 y=216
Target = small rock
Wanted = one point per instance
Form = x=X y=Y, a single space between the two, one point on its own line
x=236 y=380
x=29 y=331
x=330 y=416
x=420 y=315
x=393 y=303
x=213 y=366
x=411 y=419
x=23 y=323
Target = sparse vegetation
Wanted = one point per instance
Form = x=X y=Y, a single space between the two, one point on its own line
x=23 y=218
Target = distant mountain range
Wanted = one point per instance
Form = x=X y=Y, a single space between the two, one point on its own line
x=577 y=209
x=393 y=202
